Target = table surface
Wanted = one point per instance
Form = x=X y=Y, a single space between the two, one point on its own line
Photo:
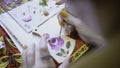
x=29 y=38
x=51 y=26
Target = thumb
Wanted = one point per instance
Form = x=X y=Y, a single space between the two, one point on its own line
x=66 y=63
x=43 y=46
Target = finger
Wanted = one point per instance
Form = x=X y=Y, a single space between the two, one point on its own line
x=66 y=63
x=46 y=36
x=43 y=46
x=43 y=54
x=38 y=61
x=70 y=19
x=37 y=53
x=24 y=60
x=30 y=55
x=43 y=42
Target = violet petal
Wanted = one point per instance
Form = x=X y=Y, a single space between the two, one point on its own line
x=7 y=1
x=56 y=43
x=27 y=19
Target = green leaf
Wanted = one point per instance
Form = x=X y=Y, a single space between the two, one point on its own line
x=44 y=2
x=62 y=50
x=68 y=44
x=59 y=54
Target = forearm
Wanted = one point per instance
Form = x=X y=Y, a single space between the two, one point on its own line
x=88 y=35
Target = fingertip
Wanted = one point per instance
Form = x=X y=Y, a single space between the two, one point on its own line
x=30 y=47
x=67 y=59
x=66 y=63
x=46 y=36
x=42 y=44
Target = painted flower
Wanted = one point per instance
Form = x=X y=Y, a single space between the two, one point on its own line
x=26 y=17
x=56 y=43
x=7 y=2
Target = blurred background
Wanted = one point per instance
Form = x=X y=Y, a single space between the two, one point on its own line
x=109 y=57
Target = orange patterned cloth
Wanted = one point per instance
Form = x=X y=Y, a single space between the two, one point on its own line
x=10 y=56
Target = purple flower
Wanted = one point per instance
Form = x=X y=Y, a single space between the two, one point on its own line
x=56 y=43
x=7 y=1
x=26 y=17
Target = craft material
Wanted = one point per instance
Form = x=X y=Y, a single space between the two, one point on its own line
x=22 y=45
x=10 y=56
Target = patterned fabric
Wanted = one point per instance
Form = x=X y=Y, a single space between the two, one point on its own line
x=10 y=4
x=10 y=56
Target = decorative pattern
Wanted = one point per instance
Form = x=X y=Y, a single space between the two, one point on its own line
x=61 y=47
x=64 y=52
x=10 y=4
x=26 y=16
x=10 y=57
x=56 y=43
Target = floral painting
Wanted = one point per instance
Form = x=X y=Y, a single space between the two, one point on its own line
x=61 y=47
x=56 y=43
x=10 y=4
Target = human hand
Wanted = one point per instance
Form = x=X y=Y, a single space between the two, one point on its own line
x=38 y=56
x=84 y=31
